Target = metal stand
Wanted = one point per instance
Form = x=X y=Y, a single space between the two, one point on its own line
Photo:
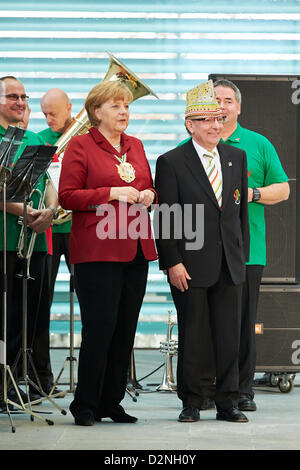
x=9 y=146
x=132 y=384
x=25 y=354
x=71 y=359
x=7 y=372
x=42 y=155
x=6 y=368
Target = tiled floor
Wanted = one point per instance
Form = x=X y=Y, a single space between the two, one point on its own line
x=275 y=425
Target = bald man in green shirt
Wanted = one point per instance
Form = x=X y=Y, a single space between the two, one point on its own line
x=267 y=185
x=57 y=108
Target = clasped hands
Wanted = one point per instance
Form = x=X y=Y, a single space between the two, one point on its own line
x=132 y=195
x=39 y=220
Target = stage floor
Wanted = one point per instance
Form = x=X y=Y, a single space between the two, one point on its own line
x=274 y=426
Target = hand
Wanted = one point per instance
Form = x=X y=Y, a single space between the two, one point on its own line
x=179 y=276
x=250 y=194
x=124 y=194
x=40 y=220
x=146 y=197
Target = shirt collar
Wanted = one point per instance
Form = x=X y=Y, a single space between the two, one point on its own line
x=3 y=130
x=236 y=135
x=201 y=150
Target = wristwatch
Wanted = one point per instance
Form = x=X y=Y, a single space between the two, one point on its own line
x=256 y=195
x=55 y=212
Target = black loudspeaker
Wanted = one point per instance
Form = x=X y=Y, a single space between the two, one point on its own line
x=270 y=106
x=278 y=329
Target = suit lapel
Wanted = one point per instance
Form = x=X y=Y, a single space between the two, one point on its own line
x=226 y=165
x=194 y=164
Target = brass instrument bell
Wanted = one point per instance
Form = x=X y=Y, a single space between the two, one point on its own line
x=81 y=124
x=116 y=72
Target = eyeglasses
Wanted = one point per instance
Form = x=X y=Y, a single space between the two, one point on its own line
x=210 y=120
x=13 y=97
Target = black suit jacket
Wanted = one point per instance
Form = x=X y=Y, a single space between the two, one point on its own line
x=181 y=182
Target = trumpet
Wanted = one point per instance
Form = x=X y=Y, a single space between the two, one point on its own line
x=23 y=253
x=169 y=349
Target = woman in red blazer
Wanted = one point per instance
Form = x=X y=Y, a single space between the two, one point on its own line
x=106 y=182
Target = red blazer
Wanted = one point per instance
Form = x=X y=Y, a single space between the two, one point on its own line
x=89 y=170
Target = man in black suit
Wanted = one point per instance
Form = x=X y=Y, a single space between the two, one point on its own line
x=205 y=184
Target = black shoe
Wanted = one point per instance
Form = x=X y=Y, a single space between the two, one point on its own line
x=34 y=395
x=13 y=396
x=84 y=418
x=47 y=390
x=189 y=414
x=207 y=404
x=233 y=415
x=118 y=415
x=246 y=404
x=4 y=406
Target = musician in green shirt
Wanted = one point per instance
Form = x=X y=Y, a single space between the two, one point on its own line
x=13 y=102
x=57 y=107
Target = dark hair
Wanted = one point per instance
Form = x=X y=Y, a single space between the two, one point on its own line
x=7 y=77
x=101 y=93
x=229 y=84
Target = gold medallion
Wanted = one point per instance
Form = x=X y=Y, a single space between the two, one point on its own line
x=126 y=172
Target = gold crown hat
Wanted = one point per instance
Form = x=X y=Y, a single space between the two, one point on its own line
x=202 y=101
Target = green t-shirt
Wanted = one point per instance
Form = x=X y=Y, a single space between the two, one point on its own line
x=51 y=138
x=13 y=228
x=264 y=168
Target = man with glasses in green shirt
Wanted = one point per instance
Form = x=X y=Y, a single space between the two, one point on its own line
x=57 y=108
x=13 y=103
x=268 y=185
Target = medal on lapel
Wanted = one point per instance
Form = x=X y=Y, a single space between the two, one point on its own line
x=237 y=197
x=125 y=169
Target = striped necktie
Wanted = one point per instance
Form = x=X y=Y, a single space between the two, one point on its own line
x=214 y=177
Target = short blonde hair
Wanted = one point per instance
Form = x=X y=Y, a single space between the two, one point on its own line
x=103 y=92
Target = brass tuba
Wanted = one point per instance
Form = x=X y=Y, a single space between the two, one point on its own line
x=81 y=124
x=116 y=71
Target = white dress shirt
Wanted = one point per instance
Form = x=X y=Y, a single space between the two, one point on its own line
x=205 y=160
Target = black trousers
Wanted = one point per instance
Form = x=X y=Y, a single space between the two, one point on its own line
x=41 y=341
x=110 y=295
x=221 y=305
x=60 y=242
x=204 y=380
x=14 y=302
x=247 y=361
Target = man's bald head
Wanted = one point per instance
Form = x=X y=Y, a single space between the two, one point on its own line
x=57 y=107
